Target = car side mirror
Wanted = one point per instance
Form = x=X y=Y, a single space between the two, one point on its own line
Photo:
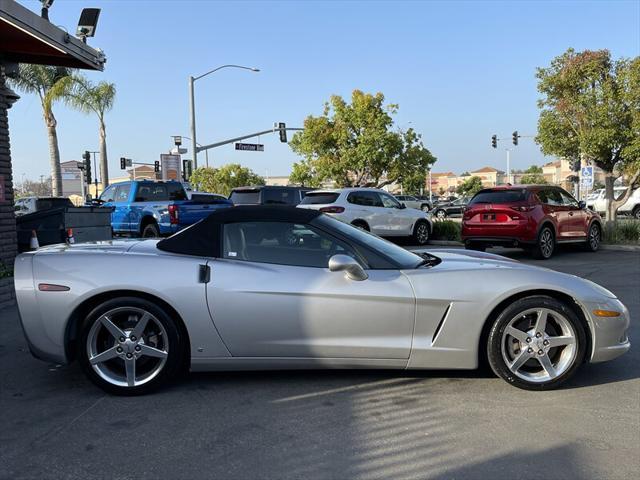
x=349 y=265
x=402 y=206
x=582 y=204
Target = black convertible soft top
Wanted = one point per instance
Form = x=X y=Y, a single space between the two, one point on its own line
x=203 y=238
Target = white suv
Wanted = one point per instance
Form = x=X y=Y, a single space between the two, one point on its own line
x=373 y=210
x=597 y=202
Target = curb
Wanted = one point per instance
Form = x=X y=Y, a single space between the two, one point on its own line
x=621 y=248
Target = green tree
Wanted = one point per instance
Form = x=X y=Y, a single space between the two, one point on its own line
x=303 y=175
x=41 y=80
x=224 y=179
x=354 y=144
x=83 y=95
x=413 y=184
x=589 y=111
x=470 y=186
x=533 y=175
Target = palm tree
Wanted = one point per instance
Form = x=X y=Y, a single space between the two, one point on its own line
x=80 y=93
x=43 y=80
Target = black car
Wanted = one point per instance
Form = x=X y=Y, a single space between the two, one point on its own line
x=268 y=195
x=451 y=209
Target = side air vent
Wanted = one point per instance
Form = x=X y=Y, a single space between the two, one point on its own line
x=439 y=326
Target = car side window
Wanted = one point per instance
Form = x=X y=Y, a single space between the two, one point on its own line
x=550 y=196
x=281 y=243
x=367 y=199
x=568 y=200
x=388 y=201
x=122 y=193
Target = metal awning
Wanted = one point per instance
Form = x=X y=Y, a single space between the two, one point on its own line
x=25 y=37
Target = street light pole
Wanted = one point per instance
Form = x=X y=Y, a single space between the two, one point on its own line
x=194 y=145
x=193 y=123
x=508 y=165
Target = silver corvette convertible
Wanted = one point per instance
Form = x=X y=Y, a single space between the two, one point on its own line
x=282 y=288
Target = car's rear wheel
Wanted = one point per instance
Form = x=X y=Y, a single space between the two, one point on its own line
x=425 y=208
x=593 y=238
x=441 y=214
x=537 y=343
x=421 y=233
x=130 y=346
x=636 y=212
x=546 y=244
x=150 y=230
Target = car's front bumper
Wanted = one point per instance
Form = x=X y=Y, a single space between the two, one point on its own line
x=609 y=334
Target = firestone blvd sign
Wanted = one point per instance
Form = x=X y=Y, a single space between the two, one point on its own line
x=250 y=147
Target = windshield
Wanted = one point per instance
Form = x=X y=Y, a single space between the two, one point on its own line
x=398 y=255
x=499 y=196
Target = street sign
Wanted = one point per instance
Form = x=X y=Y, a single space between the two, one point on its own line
x=170 y=166
x=250 y=147
x=586 y=177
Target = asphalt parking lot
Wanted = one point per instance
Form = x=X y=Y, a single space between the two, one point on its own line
x=330 y=424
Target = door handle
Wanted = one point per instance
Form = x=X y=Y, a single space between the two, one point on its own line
x=571 y=214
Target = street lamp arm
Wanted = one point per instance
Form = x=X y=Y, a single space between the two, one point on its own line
x=253 y=69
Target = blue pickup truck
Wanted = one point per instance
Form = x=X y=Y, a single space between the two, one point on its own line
x=147 y=208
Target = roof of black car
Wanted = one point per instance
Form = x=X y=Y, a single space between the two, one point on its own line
x=203 y=238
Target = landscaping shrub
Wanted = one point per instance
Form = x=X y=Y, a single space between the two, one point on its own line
x=623 y=231
x=446 y=230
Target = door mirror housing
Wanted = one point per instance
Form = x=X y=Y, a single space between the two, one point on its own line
x=582 y=204
x=402 y=206
x=349 y=265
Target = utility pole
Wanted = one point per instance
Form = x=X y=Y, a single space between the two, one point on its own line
x=192 y=105
x=430 y=194
x=508 y=150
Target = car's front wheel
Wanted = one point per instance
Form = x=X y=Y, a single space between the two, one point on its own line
x=593 y=238
x=536 y=343
x=441 y=214
x=130 y=346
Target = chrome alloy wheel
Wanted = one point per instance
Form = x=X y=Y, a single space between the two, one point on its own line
x=539 y=345
x=546 y=243
x=594 y=237
x=441 y=214
x=422 y=233
x=127 y=346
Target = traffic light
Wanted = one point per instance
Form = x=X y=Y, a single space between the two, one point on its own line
x=575 y=165
x=186 y=169
x=514 y=137
x=156 y=166
x=123 y=163
x=283 y=132
x=86 y=157
x=494 y=141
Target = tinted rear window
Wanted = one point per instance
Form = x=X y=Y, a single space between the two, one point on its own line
x=499 y=196
x=319 y=198
x=245 y=197
x=48 y=203
x=278 y=196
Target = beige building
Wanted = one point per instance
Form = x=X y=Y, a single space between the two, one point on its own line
x=490 y=176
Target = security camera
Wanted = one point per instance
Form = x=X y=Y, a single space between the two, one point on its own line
x=87 y=23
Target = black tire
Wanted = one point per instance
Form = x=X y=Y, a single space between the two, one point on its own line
x=441 y=214
x=150 y=230
x=425 y=207
x=497 y=337
x=475 y=246
x=421 y=233
x=636 y=212
x=175 y=347
x=545 y=245
x=594 y=237
x=361 y=224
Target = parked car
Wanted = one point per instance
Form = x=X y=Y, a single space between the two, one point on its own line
x=450 y=208
x=268 y=195
x=411 y=201
x=146 y=208
x=372 y=210
x=224 y=295
x=596 y=202
x=534 y=217
x=26 y=205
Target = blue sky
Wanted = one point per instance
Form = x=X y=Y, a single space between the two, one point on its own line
x=460 y=72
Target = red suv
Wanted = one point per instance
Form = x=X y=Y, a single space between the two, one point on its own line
x=534 y=217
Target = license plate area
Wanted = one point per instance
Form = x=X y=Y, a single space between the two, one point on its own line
x=488 y=217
